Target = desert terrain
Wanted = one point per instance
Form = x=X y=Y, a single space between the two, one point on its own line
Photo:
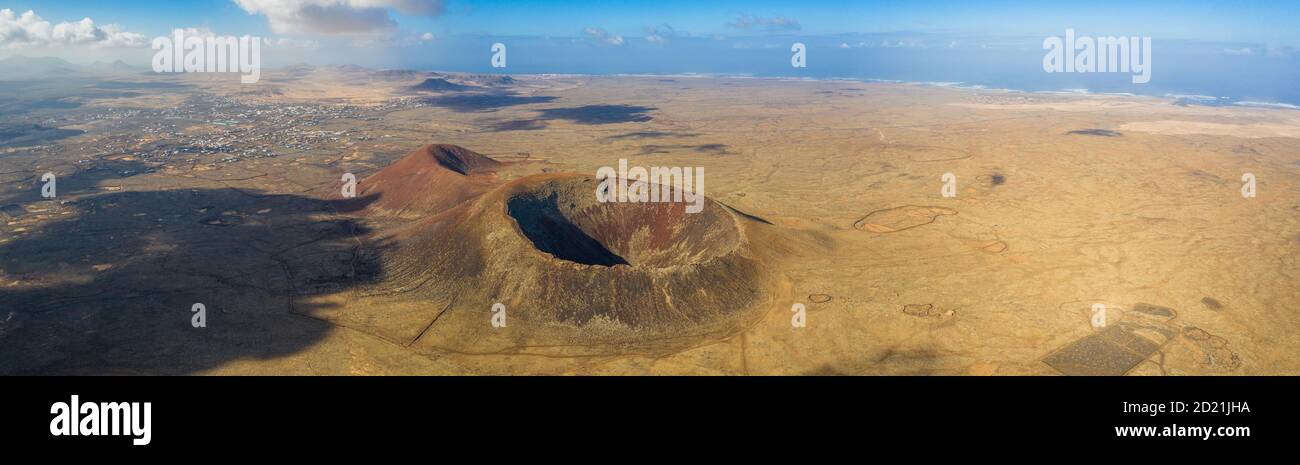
x=476 y=190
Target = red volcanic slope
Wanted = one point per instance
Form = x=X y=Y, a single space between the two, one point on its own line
x=428 y=181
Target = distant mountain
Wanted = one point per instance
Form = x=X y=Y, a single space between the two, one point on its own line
x=351 y=68
x=25 y=67
x=493 y=80
x=299 y=69
x=19 y=66
x=439 y=85
x=400 y=74
x=116 y=66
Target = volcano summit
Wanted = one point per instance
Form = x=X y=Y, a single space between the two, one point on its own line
x=578 y=276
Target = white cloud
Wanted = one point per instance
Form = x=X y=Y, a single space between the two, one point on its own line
x=201 y=31
x=282 y=43
x=603 y=36
x=29 y=29
x=393 y=40
x=355 y=17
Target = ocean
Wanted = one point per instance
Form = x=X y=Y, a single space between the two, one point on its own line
x=1194 y=73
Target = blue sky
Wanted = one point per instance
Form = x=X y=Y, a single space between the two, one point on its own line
x=1243 y=49
x=1267 y=22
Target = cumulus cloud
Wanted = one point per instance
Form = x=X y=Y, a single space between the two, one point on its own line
x=202 y=31
x=344 y=17
x=278 y=43
x=746 y=22
x=29 y=29
x=603 y=36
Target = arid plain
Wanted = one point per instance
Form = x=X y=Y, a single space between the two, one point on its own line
x=821 y=193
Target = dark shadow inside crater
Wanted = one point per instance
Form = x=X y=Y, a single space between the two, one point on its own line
x=552 y=232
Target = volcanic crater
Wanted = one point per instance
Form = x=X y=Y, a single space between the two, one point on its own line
x=562 y=219
x=576 y=275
